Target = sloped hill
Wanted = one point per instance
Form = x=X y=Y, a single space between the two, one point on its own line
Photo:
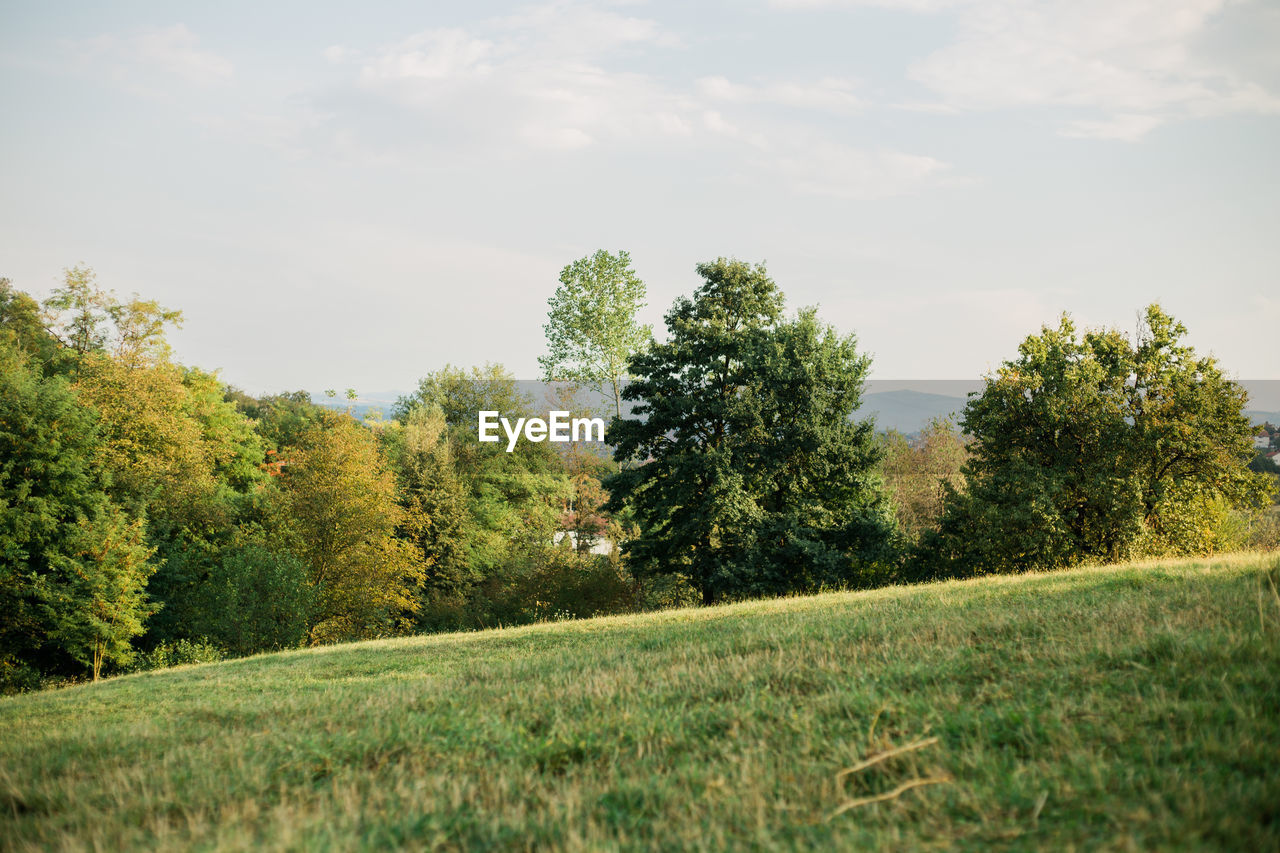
x=1129 y=707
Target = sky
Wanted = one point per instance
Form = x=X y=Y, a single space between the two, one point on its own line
x=353 y=195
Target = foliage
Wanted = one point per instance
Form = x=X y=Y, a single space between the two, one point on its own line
x=246 y=598
x=94 y=597
x=591 y=329
x=71 y=565
x=1096 y=448
x=88 y=320
x=78 y=311
x=177 y=653
x=23 y=328
x=340 y=513
x=155 y=450
x=279 y=419
x=750 y=475
x=434 y=499
x=462 y=394
x=918 y=472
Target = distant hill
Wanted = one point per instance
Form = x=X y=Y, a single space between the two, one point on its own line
x=903 y=409
x=908 y=411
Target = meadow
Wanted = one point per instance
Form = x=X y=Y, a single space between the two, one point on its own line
x=1117 y=708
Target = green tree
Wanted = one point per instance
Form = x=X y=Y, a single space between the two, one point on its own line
x=71 y=565
x=461 y=394
x=434 y=500
x=140 y=330
x=78 y=311
x=1097 y=447
x=592 y=330
x=22 y=325
x=750 y=475
x=513 y=499
x=918 y=472
x=256 y=598
x=95 y=596
x=339 y=510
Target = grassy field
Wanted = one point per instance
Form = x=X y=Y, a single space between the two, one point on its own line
x=1133 y=707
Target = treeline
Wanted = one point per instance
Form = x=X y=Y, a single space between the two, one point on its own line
x=151 y=514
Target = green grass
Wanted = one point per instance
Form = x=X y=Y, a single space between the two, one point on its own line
x=1132 y=707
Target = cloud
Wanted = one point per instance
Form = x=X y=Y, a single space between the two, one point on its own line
x=544 y=77
x=172 y=51
x=1136 y=64
x=827 y=168
x=444 y=54
x=829 y=94
x=557 y=78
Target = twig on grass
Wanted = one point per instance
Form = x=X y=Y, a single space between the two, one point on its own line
x=883 y=756
x=891 y=795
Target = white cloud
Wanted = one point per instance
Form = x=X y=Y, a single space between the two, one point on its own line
x=431 y=55
x=1135 y=63
x=828 y=94
x=554 y=79
x=817 y=167
x=139 y=57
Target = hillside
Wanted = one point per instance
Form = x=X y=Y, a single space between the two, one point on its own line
x=1130 y=707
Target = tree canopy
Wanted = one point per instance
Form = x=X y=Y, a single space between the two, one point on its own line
x=747 y=471
x=591 y=329
x=1098 y=447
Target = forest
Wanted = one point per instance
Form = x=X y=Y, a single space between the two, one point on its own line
x=153 y=514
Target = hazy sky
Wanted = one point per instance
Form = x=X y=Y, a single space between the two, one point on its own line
x=355 y=194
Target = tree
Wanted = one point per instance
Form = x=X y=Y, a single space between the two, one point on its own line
x=95 y=597
x=86 y=319
x=750 y=476
x=434 y=499
x=512 y=498
x=22 y=325
x=918 y=472
x=591 y=329
x=461 y=394
x=140 y=337
x=1097 y=447
x=340 y=513
x=72 y=566
x=78 y=311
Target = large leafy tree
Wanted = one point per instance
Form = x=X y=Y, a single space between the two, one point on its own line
x=72 y=566
x=434 y=499
x=1097 y=446
x=747 y=471
x=23 y=326
x=340 y=514
x=511 y=498
x=592 y=330
x=95 y=598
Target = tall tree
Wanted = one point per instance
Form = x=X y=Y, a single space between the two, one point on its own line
x=95 y=599
x=592 y=330
x=23 y=326
x=750 y=475
x=78 y=311
x=341 y=514
x=72 y=566
x=1097 y=447
x=434 y=499
x=140 y=330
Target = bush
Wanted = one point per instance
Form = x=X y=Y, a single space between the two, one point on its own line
x=177 y=653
